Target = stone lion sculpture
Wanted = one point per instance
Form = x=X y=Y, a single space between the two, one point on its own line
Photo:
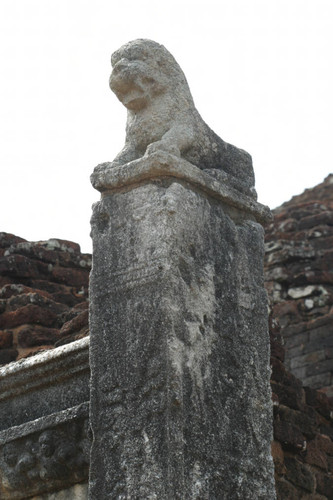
x=162 y=116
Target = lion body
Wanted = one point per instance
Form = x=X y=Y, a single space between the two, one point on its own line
x=162 y=115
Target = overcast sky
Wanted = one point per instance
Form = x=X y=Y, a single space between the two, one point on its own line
x=260 y=72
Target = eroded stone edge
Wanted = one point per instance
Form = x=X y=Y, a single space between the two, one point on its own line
x=165 y=165
x=42 y=423
x=20 y=376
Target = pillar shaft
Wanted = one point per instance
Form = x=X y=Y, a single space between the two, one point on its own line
x=180 y=398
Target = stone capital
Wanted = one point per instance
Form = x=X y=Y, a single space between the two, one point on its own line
x=162 y=165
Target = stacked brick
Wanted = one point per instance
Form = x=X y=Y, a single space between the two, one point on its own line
x=299 y=280
x=302 y=448
x=43 y=295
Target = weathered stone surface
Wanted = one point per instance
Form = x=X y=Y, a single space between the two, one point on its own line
x=179 y=344
x=7 y=239
x=7 y=355
x=77 y=492
x=162 y=116
x=40 y=284
x=45 y=454
x=50 y=382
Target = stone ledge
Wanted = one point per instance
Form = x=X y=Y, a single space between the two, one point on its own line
x=42 y=423
x=44 y=384
x=160 y=165
x=42 y=369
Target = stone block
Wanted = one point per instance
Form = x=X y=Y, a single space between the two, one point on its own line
x=30 y=336
x=300 y=474
x=318 y=401
x=44 y=434
x=318 y=381
x=291 y=396
x=315 y=456
x=77 y=492
x=324 y=484
x=306 y=422
x=289 y=435
x=278 y=458
x=180 y=404
x=326 y=365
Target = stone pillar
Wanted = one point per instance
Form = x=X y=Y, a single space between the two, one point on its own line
x=180 y=396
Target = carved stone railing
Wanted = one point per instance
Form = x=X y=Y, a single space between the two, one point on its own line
x=44 y=405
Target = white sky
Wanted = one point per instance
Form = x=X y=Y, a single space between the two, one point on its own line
x=260 y=72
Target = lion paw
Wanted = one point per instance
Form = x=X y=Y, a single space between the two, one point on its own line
x=154 y=147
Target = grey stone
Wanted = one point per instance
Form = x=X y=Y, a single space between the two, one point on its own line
x=45 y=455
x=179 y=353
x=306 y=359
x=162 y=116
x=76 y=492
x=318 y=381
x=44 y=384
x=44 y=434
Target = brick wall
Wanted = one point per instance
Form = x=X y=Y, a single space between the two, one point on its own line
x=302 y=448
x=43 y=295
x=299 y=280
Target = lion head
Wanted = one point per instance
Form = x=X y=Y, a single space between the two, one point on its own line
x=143 y=69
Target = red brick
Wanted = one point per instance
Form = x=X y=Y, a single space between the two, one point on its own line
x=300 y=474
x=7 y=355
x=288 y=435
x=72 y=277
x=30 y=336
x=278 y=458
x=6 y=339
x=315 y=456
x=325 y=485
x=286 y=491
x=29 y=314
x=77 y=323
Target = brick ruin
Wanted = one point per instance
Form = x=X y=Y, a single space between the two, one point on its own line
x=44 y=304
x=299 y=280
x=43 y=297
